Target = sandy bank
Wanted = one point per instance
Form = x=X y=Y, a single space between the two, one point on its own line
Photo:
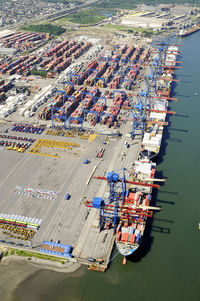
x=15 y=269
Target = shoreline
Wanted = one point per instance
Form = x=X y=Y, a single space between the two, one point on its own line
x=68 y=267
x=16 y=269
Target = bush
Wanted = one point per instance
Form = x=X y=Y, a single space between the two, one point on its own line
x=41 y=73
x=12 y=252
x=47 y=28
x=147 y=34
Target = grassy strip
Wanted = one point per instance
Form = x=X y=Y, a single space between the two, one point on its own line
x=36 y=255
x=43 y=74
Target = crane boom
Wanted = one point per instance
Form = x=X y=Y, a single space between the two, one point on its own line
x=169 y=79
x=160 y=111
x=157 y=122
x=132 y=182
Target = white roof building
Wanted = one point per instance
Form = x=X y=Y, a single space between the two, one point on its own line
x=8 y=51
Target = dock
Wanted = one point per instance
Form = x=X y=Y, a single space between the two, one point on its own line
x=80 y=132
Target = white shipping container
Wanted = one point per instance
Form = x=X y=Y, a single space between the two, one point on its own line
x=159 y=116
x=137 y=232
x=147 y=136
x=26 y=114
x=21 y=111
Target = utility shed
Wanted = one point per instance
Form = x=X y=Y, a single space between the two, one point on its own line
x=56 y=248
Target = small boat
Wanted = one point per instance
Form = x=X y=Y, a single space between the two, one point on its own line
x=199 y=226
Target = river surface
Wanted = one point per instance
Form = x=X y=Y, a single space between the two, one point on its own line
x=167 y=266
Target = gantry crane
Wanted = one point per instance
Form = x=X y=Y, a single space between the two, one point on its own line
x=115 y=205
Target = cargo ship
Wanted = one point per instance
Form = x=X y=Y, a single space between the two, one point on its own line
x=136 y=210
x=137 y=205
x=188 y=31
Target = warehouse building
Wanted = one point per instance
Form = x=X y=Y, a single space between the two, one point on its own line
x=7 y=51
x=144 y=22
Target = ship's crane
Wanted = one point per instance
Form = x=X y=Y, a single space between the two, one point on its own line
x=159 y=97
x=161 y=111
x=169 y=79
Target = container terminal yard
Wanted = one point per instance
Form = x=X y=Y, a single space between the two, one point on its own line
x=99 y=114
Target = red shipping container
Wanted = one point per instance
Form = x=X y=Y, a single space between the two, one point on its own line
x=132 y=238
x=118 y=236
x=125 y=237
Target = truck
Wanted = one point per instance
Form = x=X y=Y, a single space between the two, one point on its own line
x=67 y=196
x=100 y=153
